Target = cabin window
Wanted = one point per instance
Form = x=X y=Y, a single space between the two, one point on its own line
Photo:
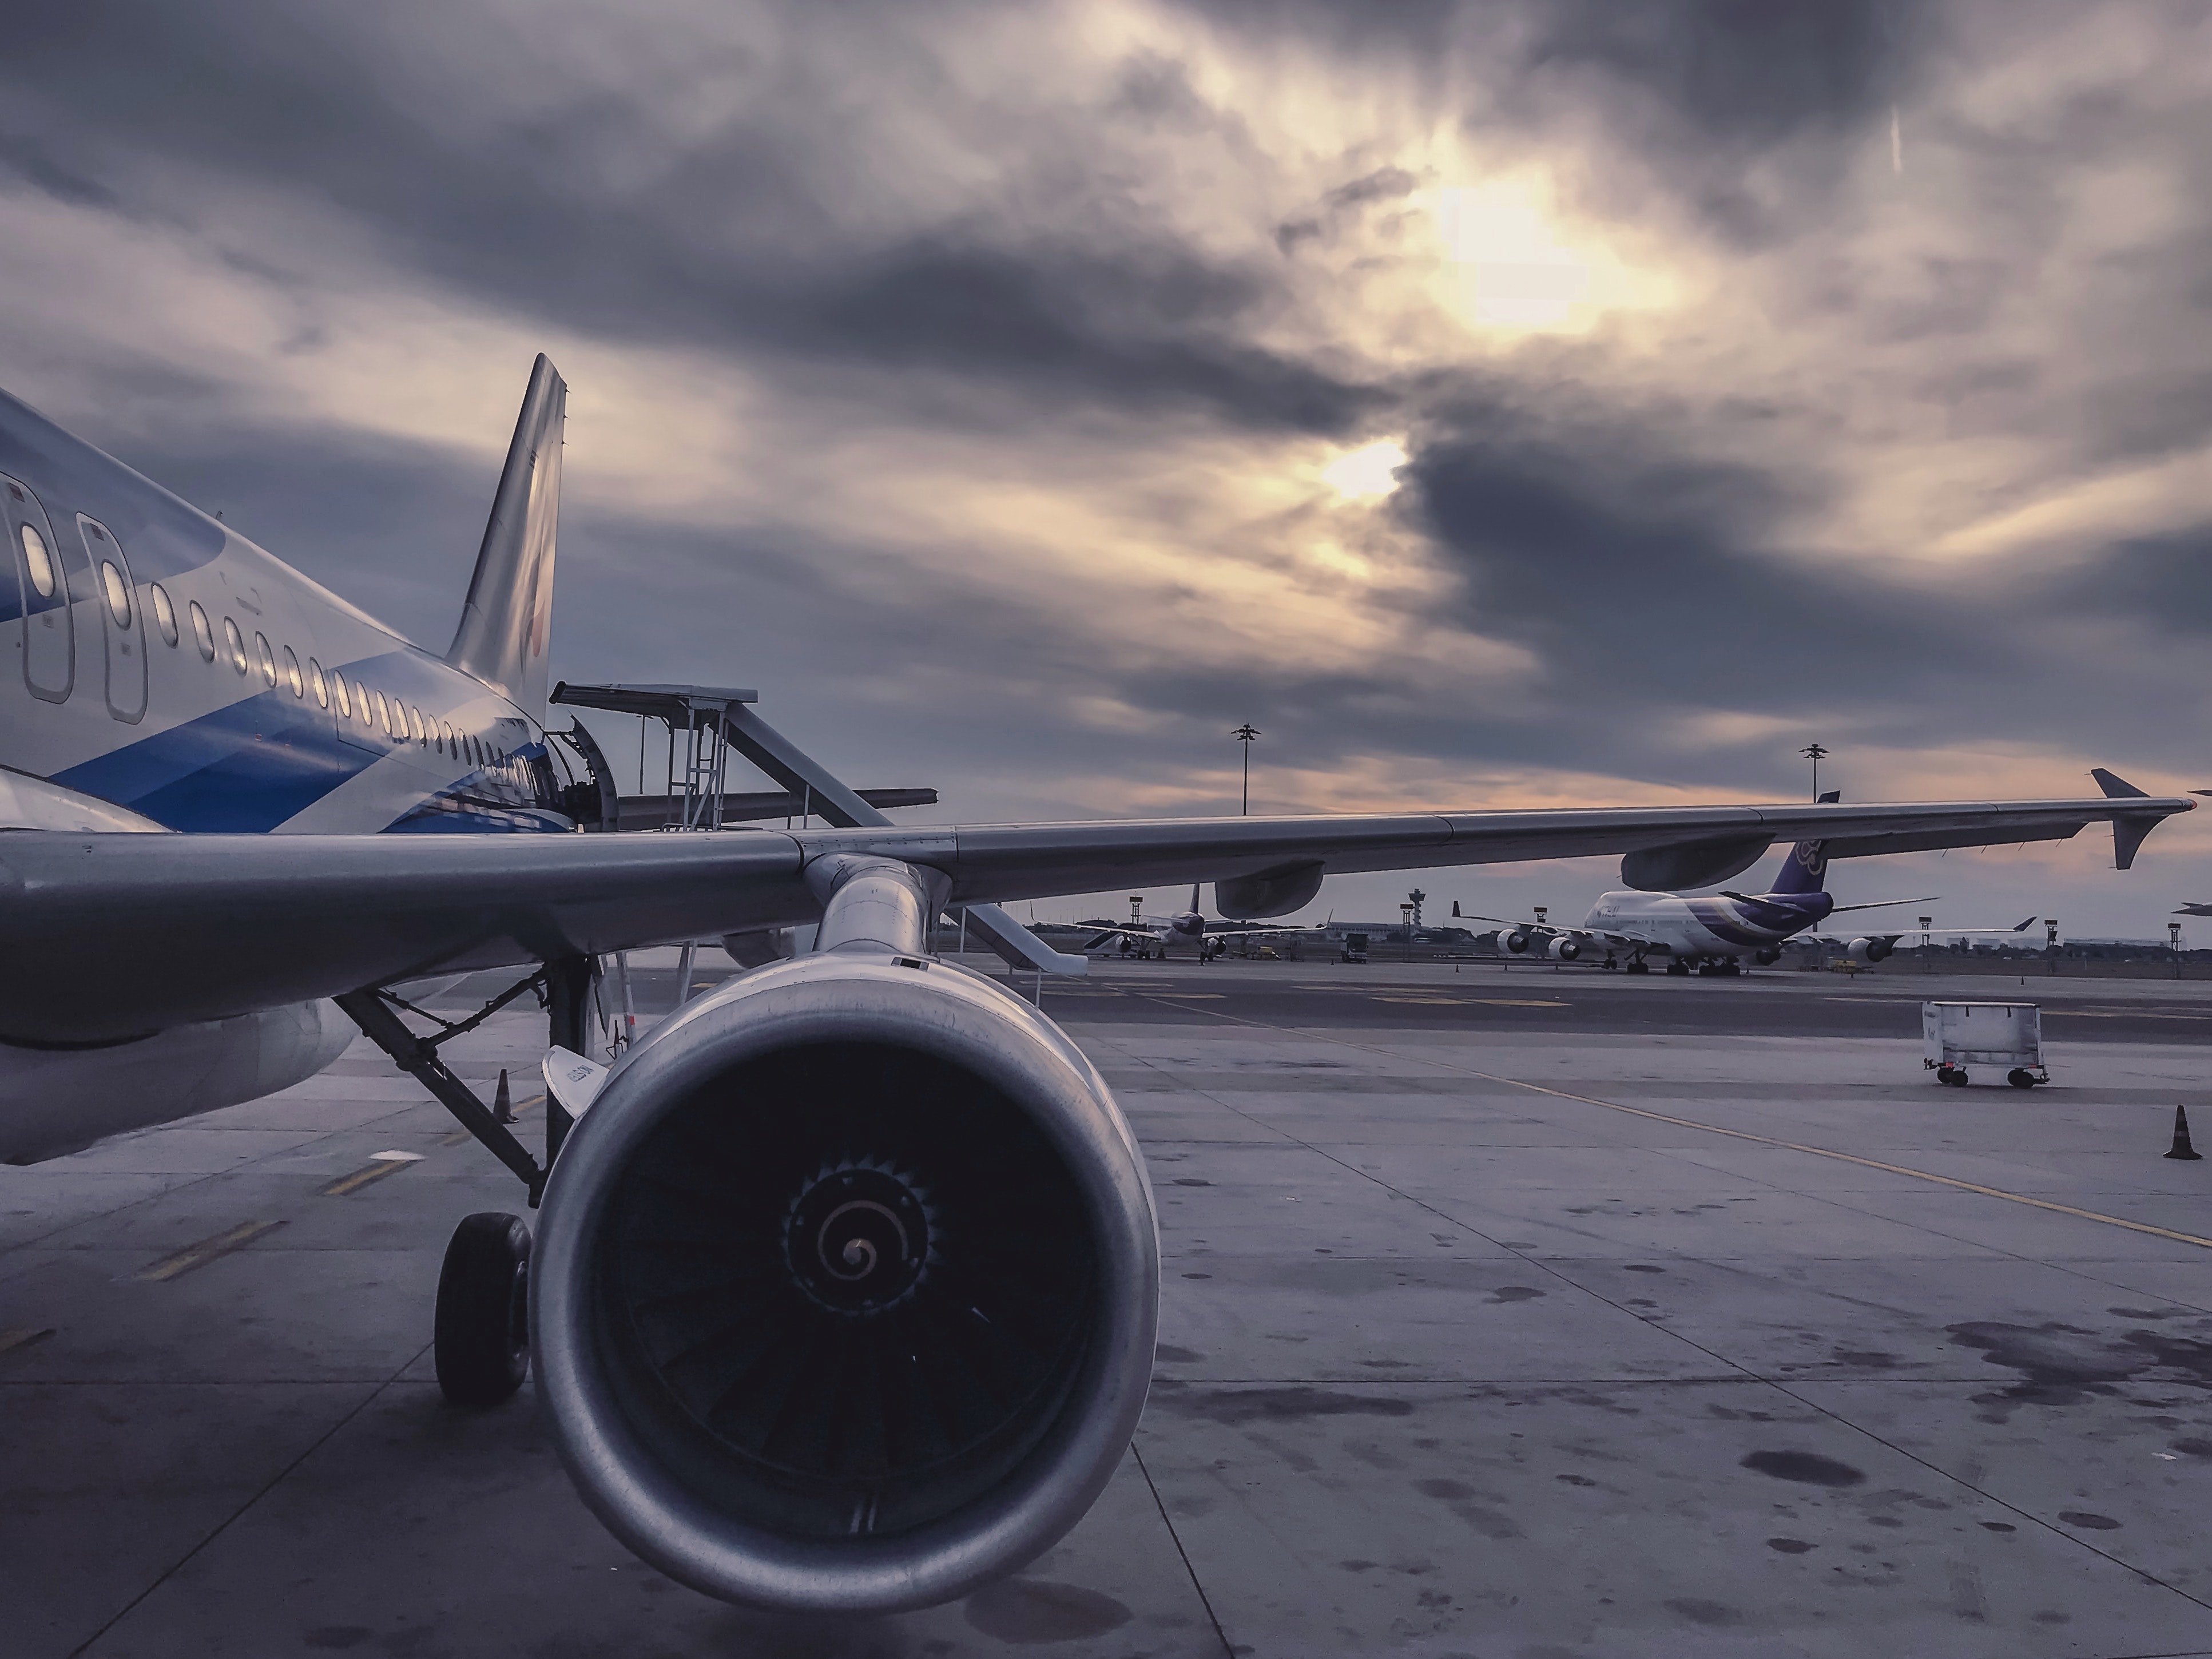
x=315 y=678
x=165 y=614
x=266 y=658
x=414 y=722
x=292 y=673
x=344 y=697
x=236 y=641
x=383 y=711
x=203 y=634
x=40 y=560
x=445 y=737
x=117 y=591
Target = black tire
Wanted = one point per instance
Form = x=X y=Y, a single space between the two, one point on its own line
x=483 y=1329
x=1956 y=1076
x=2021 y=1078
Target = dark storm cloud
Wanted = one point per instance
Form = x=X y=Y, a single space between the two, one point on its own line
x=729 y=245
x=1742 y=71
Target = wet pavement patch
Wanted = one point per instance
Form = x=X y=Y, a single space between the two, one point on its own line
x=2088 y=1520
x=1789 y=1546
x=1282 y=1404
x=1699 y=1611
x=1514 y=1293
x=2062 y=1364
x=1809 y=1468
x=1023 y=1611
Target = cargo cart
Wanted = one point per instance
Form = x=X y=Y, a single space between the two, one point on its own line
x=1957 y=1034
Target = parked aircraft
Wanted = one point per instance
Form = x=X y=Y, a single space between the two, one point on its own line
x=1712 y=934
x=1152 y=935
x=844 y=1286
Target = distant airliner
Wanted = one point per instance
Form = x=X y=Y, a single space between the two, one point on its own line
x=1207 y=936
x=844 y=1290
x=1713 y=934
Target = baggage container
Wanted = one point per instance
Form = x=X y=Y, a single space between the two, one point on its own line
x=1957 y=1034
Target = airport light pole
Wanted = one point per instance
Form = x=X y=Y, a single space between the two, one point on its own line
x=1814 y=753
x=2051 y=938
x=2173 y=938
x=1927 y=962
x=1245 y=735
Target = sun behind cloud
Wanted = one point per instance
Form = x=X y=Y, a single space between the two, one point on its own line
x=1369 y=472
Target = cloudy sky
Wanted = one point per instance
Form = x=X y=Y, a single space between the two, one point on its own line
x=1499 y=405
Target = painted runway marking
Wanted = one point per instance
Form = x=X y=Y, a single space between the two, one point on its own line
x=1474 y=1002
x=207 y=1250
x=1757 y=1139
x=23 y=1338
x=380 y=1165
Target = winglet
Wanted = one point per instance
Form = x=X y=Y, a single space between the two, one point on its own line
x=2128 y=832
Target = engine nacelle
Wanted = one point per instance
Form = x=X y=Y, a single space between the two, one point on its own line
x=1519 y=939
x=1563 y=949
x=845 y=1287
x=1869 y=949
x=1767 y=956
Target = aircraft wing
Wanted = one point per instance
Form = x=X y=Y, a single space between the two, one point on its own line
x=2020 y=927
x=110 y=935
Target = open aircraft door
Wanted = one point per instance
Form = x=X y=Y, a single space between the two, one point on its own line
x=121 y=624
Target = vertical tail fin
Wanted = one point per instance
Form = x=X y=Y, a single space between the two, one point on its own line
x=1806 y=869
x=507 y=622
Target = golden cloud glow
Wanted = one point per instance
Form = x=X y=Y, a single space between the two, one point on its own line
x=1367 y=473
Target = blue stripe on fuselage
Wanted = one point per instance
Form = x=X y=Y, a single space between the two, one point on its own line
x=255 y=764
x=246 y=767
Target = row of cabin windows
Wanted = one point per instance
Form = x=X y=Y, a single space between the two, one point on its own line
x=396 y=720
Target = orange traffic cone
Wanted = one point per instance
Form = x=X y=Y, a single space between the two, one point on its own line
x=2181 y=1146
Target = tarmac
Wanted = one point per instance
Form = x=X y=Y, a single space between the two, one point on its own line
x=1515 y=1314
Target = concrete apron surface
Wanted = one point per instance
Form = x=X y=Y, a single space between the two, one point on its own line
x=1715 y=1344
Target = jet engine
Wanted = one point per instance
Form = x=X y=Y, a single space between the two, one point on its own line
x=1869 y=949
x=845 y=1290
x=1563 y=949
x=1519 y=939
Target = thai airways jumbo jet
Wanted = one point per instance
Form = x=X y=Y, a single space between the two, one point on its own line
x=844 y=1282
x=1713 y=933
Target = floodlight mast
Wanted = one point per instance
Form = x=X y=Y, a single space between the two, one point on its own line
x=1814 y=753
x=1246 y=734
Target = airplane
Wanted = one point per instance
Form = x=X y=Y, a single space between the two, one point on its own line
x=1711 y=935
x=1152 y=935
x=844 y=1283
x=2189 y=909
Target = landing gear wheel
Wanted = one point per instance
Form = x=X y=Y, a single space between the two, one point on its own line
x=483 y=1326
x=1637 y=966
x=1679 y=969
x=2021 y=1078
x=1952 y=1076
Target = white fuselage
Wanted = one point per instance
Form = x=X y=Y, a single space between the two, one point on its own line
x=1704 y=926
